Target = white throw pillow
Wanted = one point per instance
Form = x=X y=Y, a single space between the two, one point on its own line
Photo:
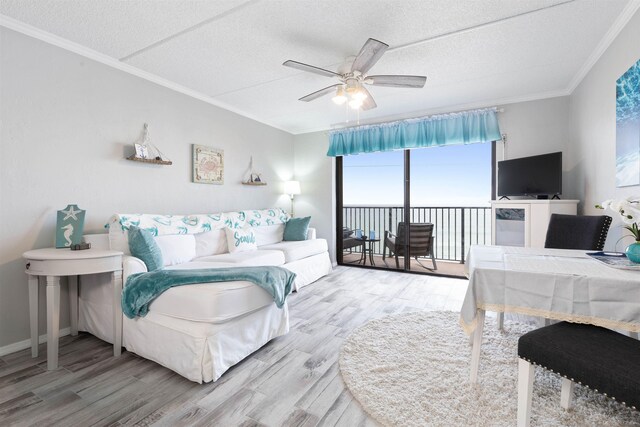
x=241 y=239
x=118 y=239
x=268 y=234
x=177 y=248
x=212 y=242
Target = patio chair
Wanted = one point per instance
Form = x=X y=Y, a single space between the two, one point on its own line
x=349 y=243
x=420 y=243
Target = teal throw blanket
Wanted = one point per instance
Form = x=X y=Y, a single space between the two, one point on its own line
x=142 y=288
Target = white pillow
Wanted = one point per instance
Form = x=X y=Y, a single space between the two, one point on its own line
x=241 y=239
x=268 y=234
x=118 y=239
x=177 y=248
x=211 y=243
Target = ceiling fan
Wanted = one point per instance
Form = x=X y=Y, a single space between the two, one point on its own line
x=351 y=87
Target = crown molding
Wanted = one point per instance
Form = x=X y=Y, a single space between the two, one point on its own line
x=36 y=33
x=630 y=9
x=627 y=13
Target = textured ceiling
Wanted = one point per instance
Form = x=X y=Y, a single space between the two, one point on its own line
x=232 y=50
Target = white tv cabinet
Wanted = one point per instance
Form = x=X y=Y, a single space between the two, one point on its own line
x=525 y=222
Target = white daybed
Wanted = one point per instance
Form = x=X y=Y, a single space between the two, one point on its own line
x=201 y=330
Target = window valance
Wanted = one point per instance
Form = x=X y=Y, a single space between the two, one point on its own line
x=448 y=129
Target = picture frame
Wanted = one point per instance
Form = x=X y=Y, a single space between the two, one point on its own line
x=208 y=165
x=628 y=128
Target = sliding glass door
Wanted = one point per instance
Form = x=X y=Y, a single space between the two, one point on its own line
x=414 y=210
x=451 y=188
x=372 y=198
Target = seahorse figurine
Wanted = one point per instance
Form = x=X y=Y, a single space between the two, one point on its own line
x=68 y=231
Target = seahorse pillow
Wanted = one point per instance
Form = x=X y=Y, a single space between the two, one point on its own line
x=241 y=239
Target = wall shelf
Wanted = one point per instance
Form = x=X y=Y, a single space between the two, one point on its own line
x=153 y=161
x=254 y=183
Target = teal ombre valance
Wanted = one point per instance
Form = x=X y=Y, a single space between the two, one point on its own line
x=448 y=129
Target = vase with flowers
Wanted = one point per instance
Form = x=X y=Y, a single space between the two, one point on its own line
x=629 y=211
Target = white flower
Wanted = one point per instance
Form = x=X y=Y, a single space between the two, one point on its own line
x=619 y=205
x=628 y=209
x=606 y=204
x=630 y=215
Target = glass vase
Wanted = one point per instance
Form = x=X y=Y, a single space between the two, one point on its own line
x=633 y=252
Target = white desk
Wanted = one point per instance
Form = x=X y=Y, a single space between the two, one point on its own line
x=54 y=263
x=556 y=284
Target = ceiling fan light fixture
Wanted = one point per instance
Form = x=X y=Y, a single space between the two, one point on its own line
x=359 y=95
x=340 y=98
x=352 y=86
x=355 y=104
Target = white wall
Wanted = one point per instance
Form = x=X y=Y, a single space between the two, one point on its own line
x=593 y=127
x=538 y=127
x=316 y=173
x=67 y=125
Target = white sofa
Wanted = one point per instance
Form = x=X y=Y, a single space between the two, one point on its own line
x=201 y=330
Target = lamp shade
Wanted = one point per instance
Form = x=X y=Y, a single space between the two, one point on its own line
x=292 y=187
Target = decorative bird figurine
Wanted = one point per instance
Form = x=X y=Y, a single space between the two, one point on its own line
x=68 y=231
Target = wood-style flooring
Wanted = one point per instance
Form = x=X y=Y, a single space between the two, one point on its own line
x=294 y=380
x=447 y=268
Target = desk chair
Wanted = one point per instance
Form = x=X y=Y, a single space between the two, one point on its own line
x=577 y=232
x=595 y=357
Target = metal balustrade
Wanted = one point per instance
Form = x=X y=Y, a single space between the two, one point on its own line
x=455 y=228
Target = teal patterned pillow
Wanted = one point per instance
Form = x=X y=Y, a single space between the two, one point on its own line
x=296 y=229
x=143 y=245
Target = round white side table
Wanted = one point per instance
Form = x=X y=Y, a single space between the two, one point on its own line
x=53 y=263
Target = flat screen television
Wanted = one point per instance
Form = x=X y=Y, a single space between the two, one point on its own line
x=531 y=176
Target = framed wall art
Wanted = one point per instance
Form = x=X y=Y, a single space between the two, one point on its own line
x=628 y=127
x=208 y=165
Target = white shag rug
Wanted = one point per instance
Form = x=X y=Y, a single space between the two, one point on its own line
x=412 y=369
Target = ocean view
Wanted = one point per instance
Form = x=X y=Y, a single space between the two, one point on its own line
x=455 y=228
x=450 y=187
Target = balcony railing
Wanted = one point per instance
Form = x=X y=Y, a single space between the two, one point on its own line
x=455 y=228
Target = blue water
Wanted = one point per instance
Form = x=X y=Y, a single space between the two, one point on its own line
x=628 y=127
x=628 y=169
x=628 y=94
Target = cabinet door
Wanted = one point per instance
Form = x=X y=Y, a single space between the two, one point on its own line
x=511 y=225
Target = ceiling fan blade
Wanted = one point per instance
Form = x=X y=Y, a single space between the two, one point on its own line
x=397 y=81
x=310 y=68
x=368 y=103
x=369 y=54
x=319 y=93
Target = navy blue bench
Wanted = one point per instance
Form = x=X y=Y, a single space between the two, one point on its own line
x=598 y=358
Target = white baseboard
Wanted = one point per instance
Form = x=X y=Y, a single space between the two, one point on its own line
x=21 y=345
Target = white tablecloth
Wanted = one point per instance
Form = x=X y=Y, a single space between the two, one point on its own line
x=553 y=283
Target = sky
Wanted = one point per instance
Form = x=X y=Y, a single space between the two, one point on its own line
x=455 y=175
